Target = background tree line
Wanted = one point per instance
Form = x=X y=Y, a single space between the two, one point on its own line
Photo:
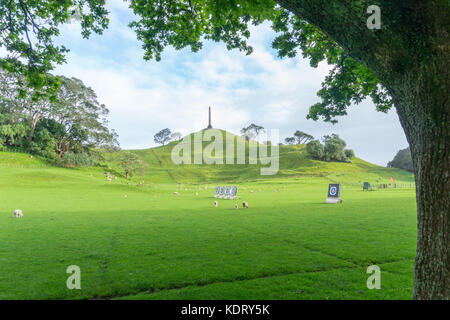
x=299 y=137
x=66 y=128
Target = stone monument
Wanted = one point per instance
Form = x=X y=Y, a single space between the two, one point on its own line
x=209 y=122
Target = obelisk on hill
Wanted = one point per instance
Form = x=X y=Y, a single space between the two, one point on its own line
x=209 y=123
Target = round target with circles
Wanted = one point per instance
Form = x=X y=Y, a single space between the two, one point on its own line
x=334 y=190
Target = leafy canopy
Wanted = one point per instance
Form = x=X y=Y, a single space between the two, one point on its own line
x=302 y=137
x=131 y=164
x=252 y=131
x=163 y=136
x=331 y=150
x=74 y=122
x=186 y=23
x=29 y=27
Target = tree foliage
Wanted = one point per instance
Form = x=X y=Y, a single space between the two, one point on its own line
x=28 y=30
x=289 y=140
x=163 y=136
x=333 y=149
x=402 y=160
x=316 y=149
x=186 y=23
x=74 y=121
x=252 y=131
x=29 y=27
x=131 y=164
x=302 y=137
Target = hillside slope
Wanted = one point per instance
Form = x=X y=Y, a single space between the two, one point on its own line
x=294 y=161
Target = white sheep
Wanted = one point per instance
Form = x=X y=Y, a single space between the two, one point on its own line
x=245 y=204
x=175 y=193
x=216 y=204
x=18 y=213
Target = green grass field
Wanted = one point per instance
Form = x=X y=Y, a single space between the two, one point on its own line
x=147 y=243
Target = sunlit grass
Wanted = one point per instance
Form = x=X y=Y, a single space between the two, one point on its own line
x=144 y=242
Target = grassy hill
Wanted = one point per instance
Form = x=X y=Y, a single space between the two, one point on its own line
x=294 y=162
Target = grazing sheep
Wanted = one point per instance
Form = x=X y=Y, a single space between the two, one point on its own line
x=216 y=204
x=251 y=191
x=18 y=213
x=245 y=204
x=276 y=190
x=175 y=193
x=236 y=207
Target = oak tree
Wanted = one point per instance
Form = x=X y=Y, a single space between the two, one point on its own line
x=404 y=63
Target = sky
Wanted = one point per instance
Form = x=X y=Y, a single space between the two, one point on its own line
x=146 y=96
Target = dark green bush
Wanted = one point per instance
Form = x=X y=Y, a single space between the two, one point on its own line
x=71 y=159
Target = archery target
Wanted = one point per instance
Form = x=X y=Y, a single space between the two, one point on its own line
x=334 y=190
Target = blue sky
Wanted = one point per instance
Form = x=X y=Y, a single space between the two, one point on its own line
x=146 y=96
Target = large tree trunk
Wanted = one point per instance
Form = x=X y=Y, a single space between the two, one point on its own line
x=410 y=56
x=432 y=266
x=421 y=99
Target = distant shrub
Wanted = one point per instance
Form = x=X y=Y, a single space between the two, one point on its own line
x=71 y=159
x=315 y=149
x=331 y=150
x=349 y=153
